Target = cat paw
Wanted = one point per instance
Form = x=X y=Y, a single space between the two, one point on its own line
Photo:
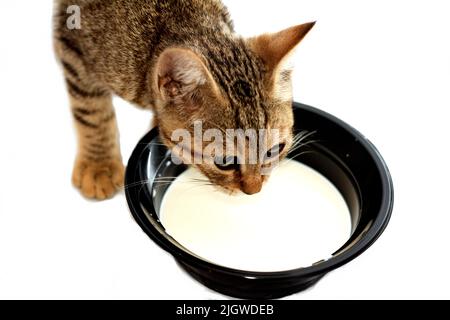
x=98 y=180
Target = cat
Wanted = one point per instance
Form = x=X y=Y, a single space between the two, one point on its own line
x=181 y=59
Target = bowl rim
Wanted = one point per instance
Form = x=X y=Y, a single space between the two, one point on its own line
x=375 y=230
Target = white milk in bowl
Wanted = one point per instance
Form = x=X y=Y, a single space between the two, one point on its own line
x=298 y=219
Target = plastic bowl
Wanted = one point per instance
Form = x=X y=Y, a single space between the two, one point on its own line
x=341 y=154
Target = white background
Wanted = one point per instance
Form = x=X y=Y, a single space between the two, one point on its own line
x=382 y=66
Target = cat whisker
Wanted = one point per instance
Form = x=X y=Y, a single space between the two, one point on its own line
x=299 y=140
x=293 y=157
x=135 y=184
x=164 y=182
x=162 y=179
x=303 y=135
x=303 y=145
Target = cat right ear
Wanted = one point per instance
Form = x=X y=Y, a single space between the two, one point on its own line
x=179 y=72
x=274 y=48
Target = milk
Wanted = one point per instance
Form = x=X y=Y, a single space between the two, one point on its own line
x=298 y=219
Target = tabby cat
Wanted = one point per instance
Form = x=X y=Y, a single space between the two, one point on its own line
x=181 y=59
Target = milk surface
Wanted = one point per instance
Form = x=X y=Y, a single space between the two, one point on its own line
x=298 y=219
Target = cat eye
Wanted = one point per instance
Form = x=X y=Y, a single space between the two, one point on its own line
x=275 y=151
x=226 y=163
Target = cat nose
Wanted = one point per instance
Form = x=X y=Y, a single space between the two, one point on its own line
x=251 y=185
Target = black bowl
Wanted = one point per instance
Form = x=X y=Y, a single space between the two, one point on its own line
x=340 y=153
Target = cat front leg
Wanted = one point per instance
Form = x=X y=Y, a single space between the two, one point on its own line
x=98 y=170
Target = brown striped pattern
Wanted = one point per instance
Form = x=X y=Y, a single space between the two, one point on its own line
x=91 y=119
x=71 y=45
x=77 y=91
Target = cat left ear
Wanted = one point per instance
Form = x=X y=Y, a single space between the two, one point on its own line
x=178 y=73
x=274 y=48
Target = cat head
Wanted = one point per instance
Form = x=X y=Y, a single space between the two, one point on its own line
x=225 y=83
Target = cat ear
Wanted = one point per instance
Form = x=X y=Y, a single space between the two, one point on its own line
x=179 y=72
x=274 y=48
